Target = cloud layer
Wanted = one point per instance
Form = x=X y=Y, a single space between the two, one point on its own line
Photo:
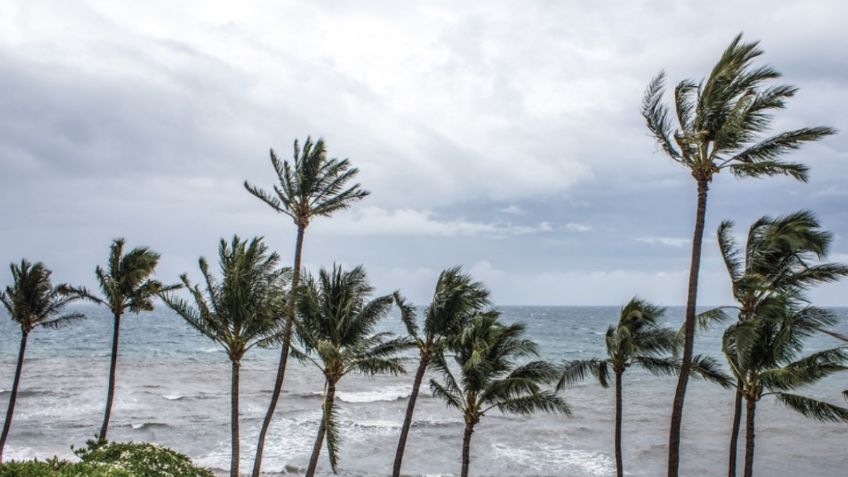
x=504 y=137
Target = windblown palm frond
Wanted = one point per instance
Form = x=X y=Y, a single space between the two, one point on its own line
x=484 y=373
x=336 y=329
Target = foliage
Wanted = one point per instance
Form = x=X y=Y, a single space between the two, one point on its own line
x=312 y=185
x=486 y=354
x=125 y=283
x=720 y=119
x=242 y=310
x=110 y=459
x=141 y=459
x=32 y=301
x=336 y=324
x=61 y=468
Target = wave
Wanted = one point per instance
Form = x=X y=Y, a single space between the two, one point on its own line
x=172 y=397
x=149 y=425
x=391 y=393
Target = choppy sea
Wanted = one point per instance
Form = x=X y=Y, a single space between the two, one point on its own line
x=173 y=388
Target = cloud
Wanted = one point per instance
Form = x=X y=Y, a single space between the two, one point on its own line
x=573 y=227
x=370 y=221
x=668 y=241
x=512 y=210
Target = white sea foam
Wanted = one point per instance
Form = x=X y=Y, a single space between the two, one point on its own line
x=172 y=397
x=389 y=393
x=544 y=457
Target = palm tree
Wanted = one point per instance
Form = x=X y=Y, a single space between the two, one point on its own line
x=310 y=186
x=32 y=302
x=238 y=312
x=456 y=299
x=125 y=286
x=719 y=125
x=335 y=326
x=637 y=340
x=782 y=257
x=486 y=352
x=763 y=355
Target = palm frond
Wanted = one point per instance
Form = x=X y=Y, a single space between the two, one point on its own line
x=707 y=368
x=576 y=371
x=812 y=408
x=544 y=401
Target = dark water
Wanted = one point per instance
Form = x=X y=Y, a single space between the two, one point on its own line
x=173 y=388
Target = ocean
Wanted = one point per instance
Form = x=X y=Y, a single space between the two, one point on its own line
x=173 y=389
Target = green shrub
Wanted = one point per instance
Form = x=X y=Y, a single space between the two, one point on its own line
x=60 y=468
x=110 y=459
x=141 y=459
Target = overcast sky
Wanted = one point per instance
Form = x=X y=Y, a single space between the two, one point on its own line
x=501 y=136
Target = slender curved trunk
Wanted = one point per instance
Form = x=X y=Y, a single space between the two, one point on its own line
x=410 y=408
x=734 y=433
x=234 y=420
x=466 y=448
x=619 y=461
x=284 y=354
x=750 y=412
x=113 y=368
x=14 y=396
x=689 y=338
x=329 y=398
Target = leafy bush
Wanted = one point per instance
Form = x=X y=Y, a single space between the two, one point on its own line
x=110 y=459
x=141 y=459
x=60 y=468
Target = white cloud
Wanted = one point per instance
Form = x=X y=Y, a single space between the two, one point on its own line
x=573 y=227
x=668 y=241
x=410 y=222
x=512 y=210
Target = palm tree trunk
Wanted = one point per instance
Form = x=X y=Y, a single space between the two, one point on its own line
x=234 y=420
x=466 y=448
x=329 y=398
x=619 y=461
x=750 y=411
x=410 y=408
x=110 y=394
x=689 y=338
x=734 y=433
x=14 y=396
x=284 y=353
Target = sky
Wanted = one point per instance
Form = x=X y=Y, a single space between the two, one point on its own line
x=505 y=137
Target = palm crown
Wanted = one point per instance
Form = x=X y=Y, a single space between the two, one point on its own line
x=32 y=301
x=125 y=284
x=336 y=324
x=242 y=309
x=720 y=119
x=312 y=185
x=781 y=256
x=455 y=300
x=763 y=355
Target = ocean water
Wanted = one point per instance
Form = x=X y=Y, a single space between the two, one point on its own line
x=173 y=388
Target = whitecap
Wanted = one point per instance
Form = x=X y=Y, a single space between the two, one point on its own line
x=172 y=397
x=390 y=393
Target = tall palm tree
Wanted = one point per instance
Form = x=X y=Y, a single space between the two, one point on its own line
x=781 y=258
x=312 y=185
x=32 y=302
x=125 y=286
x=486 y=354
x=763 y=355
x=720 y=122
x=456 y=299
x=238 y=312
x=335 y=326
x=637 y=340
